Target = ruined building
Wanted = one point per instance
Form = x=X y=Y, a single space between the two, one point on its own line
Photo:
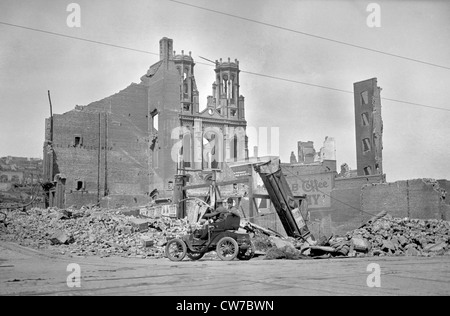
x=306 y=152
x=368 y=127
x=127 y=147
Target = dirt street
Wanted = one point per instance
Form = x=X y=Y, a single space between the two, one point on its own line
x=24 y=271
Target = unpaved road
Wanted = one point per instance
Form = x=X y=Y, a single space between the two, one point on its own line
x=24 y=271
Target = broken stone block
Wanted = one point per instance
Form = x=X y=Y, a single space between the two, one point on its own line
x=411 y=251
x=147 y=242
x=377 y=252
x=395 y=242
x=141 y=225
x=360 y=244
x=280 y=243
x=402 y=240
x=130 y=212
x=440 y=247
x=60 y=237
x=388 y=246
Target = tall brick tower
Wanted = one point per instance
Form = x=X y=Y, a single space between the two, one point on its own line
x=368 y=127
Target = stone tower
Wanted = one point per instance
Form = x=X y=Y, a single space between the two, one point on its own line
x=368 y=127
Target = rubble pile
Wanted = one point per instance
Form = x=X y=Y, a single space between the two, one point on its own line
x=383 y=235
x=123 y=232
x=92 y=231
x=396 y=236
x=388 y=236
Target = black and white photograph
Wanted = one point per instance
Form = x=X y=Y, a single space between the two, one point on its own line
x=225 y=155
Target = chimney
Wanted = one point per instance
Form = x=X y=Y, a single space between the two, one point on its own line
x=165 y=49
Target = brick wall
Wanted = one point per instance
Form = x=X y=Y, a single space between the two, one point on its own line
x=390 y=197
x=353 y=182
x=164 y=96
x=127 y=138
x=410 y=198
x=78 y=199
x=113 y=146
x=345 y=209
x=77 y=163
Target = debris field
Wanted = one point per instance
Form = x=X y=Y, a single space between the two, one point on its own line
x=93 y=231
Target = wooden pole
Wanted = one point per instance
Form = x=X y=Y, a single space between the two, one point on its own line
x=51 y=116
x=106 y=152
x=98 y=160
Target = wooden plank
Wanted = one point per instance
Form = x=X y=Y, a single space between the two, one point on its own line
x=206 y=185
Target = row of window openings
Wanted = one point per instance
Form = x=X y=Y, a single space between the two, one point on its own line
x=78 y=143
x=185 y=152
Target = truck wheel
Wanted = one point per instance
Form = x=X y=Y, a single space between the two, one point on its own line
x=248 y=253
x=227 y=248
x=176 y=250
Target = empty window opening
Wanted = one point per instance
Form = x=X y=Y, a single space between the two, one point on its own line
x=365 y=97
x=155 y=123
x=186 y=107
x=230 y=89
x=79 y=185
x=77 y=141
x=233 y=112
x=185 y=90
x=235 y=147
x=367 y=171
x=186 y=150
x=365 y=119
x=377 y=168
x=366 y=144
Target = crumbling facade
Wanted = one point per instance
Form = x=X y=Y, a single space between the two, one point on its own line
x=306 y=152
x=127 y=148
x=368 y=127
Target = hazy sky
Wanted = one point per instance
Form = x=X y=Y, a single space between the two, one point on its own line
x=416 y=138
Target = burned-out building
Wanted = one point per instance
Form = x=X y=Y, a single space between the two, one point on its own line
x=127 y=148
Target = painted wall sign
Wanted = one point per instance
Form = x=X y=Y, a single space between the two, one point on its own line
x=317 y=188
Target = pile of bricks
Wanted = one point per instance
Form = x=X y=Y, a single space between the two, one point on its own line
x=92 y=231
x=383 y=235
x=103 y=232
x=388 y=236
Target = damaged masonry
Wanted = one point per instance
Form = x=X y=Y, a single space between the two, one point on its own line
x=147 y=232
x=145 y=173
x=106 y=232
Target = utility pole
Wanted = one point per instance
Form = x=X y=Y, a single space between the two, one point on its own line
x=51 y=117
x=98 y=159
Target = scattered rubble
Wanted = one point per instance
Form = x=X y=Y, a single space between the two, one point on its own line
x=382 y=235
x=400 y=236
x=125 y=232
x=92 y=231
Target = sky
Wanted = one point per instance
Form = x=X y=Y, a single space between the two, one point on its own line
x=291 y=93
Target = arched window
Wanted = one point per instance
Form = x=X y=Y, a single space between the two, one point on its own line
x=212 y=147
